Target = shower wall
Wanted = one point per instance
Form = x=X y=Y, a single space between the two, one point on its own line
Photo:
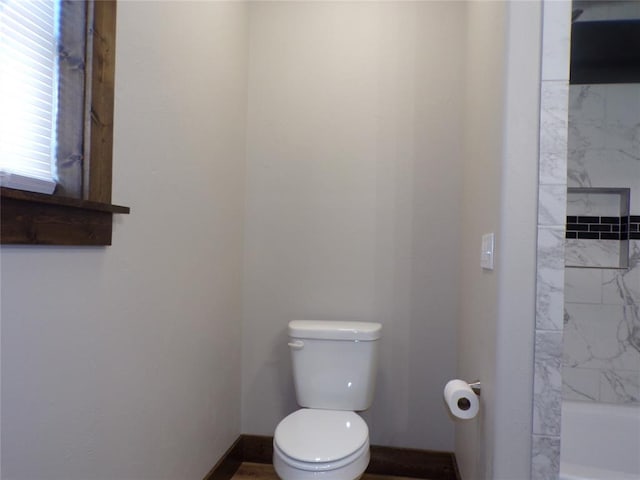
x=552 y=189
x=601 y=359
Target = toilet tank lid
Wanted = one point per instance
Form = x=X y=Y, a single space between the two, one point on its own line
x=335 y=330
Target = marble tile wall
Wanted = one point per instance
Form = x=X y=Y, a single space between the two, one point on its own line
x=604 y=138
x=601 y=358
x=552 y=200
x=618 y=290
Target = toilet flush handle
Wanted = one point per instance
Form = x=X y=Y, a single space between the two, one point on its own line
x=296 y=345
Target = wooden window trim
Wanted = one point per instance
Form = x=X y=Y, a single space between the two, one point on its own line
x=38 y=219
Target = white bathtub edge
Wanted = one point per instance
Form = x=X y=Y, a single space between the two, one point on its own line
x=571 y=471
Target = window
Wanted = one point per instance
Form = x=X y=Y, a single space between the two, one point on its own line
x=79 y=212
x=28 y=93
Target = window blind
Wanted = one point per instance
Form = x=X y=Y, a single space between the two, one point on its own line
x=28 y=93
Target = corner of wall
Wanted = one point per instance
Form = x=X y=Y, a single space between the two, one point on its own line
x=547 y=388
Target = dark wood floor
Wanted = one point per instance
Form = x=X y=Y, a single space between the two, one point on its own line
x=261 y=471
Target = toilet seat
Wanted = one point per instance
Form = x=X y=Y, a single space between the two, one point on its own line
x=321 y=467
x=322 y=441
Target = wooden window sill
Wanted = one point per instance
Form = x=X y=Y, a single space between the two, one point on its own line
x=37 y=219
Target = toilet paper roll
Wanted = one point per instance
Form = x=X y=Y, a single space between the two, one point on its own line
x=462 y=401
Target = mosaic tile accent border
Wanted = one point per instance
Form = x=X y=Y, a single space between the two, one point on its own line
x=603 y=228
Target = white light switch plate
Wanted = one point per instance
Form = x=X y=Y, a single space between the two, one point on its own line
x=486 y=257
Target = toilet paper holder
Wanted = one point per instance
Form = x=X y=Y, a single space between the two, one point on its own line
x=476 y=387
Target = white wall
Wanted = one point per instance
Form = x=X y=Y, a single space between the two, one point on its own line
x=359 y=117
x=353 y=199
x=127 y=365
x=517 y=271
x=496 y=326
x=477 y=332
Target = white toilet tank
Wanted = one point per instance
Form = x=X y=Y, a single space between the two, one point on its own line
x=334 y=363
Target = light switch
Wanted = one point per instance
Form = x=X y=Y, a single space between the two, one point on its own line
x=486 y=257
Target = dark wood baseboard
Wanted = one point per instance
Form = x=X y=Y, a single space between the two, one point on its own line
x=413 y=463
x=257 y=448
x=405 y=462
x=229 y=463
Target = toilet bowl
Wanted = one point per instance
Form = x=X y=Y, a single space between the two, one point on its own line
x=334 y=371
x=315 y=443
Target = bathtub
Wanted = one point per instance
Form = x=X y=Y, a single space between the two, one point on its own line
x=600 y=442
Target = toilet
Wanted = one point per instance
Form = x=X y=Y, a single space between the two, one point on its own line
x=334 y=372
